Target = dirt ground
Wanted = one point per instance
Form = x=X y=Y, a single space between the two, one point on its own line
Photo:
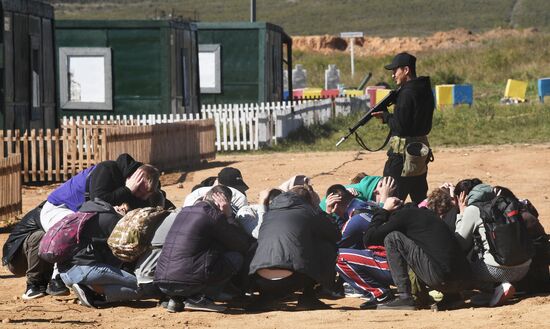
x=523 y=168
x=377 y=46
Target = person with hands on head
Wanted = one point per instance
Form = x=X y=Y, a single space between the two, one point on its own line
x=416 y=238
x=364 y=268
x=342 y=201
x=204 y=249
x=296 y=249
x=469 y=228
x=115 y=182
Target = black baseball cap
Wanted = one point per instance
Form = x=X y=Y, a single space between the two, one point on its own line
x=232 y=177
x=401 y=60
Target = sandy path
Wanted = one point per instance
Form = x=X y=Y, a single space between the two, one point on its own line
x=523 y=168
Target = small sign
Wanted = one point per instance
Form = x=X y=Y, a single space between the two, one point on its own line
x=351 y=34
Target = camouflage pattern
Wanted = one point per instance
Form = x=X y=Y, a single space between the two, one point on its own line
x=132 y=235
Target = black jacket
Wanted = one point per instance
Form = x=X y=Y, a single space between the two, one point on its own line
x=107 y=182
x=192 y=251
x=414 y=107
x=94 y=235
x=429 y=232
x=297 y=237
x=27 y=225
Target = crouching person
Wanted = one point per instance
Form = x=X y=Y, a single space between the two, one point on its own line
x=21 y=254
x=203 y=250
x=94 y=274
x=417 y=239
x=296 y=249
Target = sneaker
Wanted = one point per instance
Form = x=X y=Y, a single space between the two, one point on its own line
x=57 y=287
x=398 y=304
x=502 y=293
x=201 y=303
x=350 y=292
x=372 y=302
x=85 y=295
x=34 y=291
x=174 y=305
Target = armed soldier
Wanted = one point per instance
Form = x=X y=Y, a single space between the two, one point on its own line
x=410 y=123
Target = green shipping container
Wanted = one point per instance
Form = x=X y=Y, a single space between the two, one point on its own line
x=27 y=84
x=243 y=62
x=127 y=67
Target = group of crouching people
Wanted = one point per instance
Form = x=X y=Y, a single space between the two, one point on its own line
x=358 y=240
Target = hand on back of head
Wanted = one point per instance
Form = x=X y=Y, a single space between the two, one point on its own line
x=385 y=189
x=392 y=203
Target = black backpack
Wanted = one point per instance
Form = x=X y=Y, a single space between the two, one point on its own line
x=506 y=231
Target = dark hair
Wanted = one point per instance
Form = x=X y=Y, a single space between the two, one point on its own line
x=226 y=191
x=273 y=193
x=359 y=177
x=206 y=182
x=412 y=70
x=340 y=190
x=305 y=192
x=466 y=185
x=504 y=191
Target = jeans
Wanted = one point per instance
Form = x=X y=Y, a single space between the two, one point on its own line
x=402 y=253
x=118 y=285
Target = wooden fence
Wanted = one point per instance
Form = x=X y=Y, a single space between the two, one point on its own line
x=10 y=187
x=59 y=154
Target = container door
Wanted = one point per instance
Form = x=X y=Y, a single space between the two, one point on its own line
x=37 y=112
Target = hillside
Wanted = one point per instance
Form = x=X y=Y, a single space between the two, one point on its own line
x=313 y=17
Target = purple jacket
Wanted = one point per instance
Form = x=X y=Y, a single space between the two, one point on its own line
x=192 y=251
x=72 y=193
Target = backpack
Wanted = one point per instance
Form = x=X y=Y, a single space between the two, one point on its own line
x=62 y=240
x=132 y=235
x=505 y=230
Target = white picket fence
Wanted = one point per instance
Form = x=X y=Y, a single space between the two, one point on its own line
x=250 y=126
x=129 y=120
x=246 y=126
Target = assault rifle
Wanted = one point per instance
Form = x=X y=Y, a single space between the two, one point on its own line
x=381 y=106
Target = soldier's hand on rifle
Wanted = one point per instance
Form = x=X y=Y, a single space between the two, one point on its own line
x=378 y=115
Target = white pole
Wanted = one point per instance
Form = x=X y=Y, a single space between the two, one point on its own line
x=352 y=64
